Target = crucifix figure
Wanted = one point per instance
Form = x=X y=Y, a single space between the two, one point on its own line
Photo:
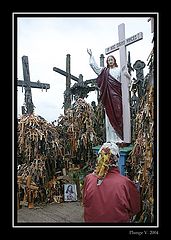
x=121 y=45
x=28 y=85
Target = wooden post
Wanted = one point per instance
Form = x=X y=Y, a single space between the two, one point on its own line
x=101 y=60
x=68 y=83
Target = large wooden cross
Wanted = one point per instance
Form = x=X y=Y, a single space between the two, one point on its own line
x=69 y=76
x=121 y=46
x=28 y=85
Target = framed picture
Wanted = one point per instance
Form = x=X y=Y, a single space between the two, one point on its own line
x=70 y=192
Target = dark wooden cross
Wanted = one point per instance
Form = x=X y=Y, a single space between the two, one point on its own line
x=81 y=88
x=29 y=109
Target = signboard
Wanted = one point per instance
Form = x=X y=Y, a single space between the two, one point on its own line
x=125 y=42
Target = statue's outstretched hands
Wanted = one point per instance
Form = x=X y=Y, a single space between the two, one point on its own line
x=89 y=51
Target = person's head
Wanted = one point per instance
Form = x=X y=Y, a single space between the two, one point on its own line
x=108 y=156
x=111 y=62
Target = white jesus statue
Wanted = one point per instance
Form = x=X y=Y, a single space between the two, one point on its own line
x=109 y=82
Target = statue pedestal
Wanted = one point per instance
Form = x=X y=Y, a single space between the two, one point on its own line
x=123 y=156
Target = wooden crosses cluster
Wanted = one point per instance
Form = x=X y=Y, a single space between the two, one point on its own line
x=140 y=162
x=49 y=152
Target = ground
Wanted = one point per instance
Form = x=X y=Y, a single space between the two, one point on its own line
x=67 y=212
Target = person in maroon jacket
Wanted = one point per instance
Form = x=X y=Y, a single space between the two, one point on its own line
x=108 y=196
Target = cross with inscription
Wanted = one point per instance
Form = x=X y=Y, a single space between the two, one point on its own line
x=28 y=85
x=121 y=46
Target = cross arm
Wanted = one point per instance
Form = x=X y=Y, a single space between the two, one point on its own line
x=65 y=74
x=37 y=84
x=92 y=81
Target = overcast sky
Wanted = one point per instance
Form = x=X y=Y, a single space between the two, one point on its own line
x=47 y=40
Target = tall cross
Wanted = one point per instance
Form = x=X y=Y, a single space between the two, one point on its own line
x=69 y=76
x=28 y=85
x=121 y=46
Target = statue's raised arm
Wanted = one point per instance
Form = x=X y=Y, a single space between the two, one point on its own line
x=97 y=69
x=89 y=51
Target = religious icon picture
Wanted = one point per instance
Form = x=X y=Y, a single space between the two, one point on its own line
x=70 y=192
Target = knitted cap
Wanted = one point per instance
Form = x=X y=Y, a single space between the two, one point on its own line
x=112 y=146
